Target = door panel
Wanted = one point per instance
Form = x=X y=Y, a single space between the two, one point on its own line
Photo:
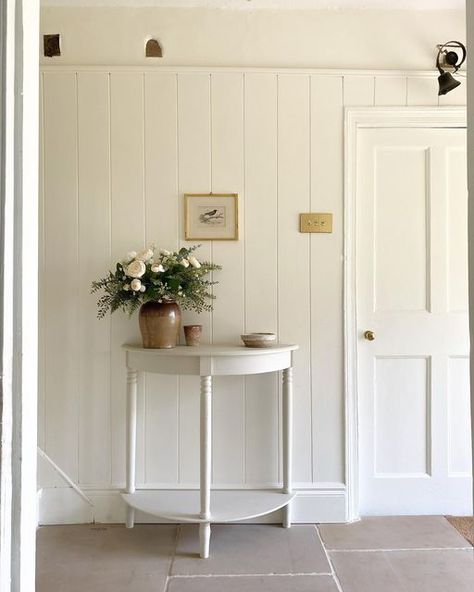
x=400 y=172
x=413 y=379
x=401 y=446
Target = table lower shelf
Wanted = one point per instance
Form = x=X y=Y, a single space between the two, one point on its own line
x=226 y=505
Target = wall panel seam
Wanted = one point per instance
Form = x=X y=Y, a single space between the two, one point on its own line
x=110 y=198
x=278 y=394
x=147 y=239
x=43 y=260
x=211 y=188
x=180 y=223
x=310 y=283
x=176 y=196
x=78 y=402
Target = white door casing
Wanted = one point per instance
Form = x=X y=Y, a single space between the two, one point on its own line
x=19 y=30
x=406 y=279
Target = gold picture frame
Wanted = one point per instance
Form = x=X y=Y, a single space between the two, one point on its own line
x=211 y=216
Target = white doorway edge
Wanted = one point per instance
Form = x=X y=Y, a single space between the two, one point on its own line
x=19 y=35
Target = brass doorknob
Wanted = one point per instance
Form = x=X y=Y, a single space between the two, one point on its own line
x=369 y=335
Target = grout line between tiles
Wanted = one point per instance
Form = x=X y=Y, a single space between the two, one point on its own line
x=333 y=572
x=170 y=568
x=249 y=575
x=400 y=549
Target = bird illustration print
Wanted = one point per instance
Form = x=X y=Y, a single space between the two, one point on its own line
x=213 y=216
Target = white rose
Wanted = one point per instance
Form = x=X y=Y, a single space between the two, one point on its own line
x=194 y=262
x=165 y=252
x=136 y=285
x=142 y=288
x=126 y=287
x=131 y=256
x=136 y=269
x=185 y=263
x=157 y=268
x=145 y=255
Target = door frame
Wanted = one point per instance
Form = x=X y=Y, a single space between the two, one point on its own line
x=355 y=119
x=19 y=64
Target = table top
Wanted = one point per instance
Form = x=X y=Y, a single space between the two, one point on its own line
x=214 y=350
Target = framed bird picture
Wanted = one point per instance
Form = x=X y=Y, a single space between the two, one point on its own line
x=211 y=216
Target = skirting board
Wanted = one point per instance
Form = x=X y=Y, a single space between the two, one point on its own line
x=60 y=505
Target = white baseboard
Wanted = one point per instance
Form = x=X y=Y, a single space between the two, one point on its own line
x=62 y=505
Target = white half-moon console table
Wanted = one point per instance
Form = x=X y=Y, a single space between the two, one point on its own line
x=204 y=506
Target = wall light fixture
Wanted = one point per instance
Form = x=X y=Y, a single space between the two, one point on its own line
x=448 y=63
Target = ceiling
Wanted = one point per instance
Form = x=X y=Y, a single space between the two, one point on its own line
x=256 y=4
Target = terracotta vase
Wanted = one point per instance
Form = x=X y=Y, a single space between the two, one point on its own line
x=160 y=323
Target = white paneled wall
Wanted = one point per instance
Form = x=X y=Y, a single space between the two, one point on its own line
x=119 y=149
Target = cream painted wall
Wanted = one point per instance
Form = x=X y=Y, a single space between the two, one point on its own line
x=263 y=38
x=104 y=145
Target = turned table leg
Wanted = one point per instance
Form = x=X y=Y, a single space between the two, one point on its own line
x=205 y=527
x=132 y=380
x=287 y=429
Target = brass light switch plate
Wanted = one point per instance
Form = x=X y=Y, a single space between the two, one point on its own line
x=315 y=222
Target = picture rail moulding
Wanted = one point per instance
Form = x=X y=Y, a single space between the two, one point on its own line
x=146 y=67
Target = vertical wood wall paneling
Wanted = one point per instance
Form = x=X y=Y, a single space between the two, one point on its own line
x=194 y=153
x=327 y=141
x=359 y=90
x=390 y=90
x=162 y=228
x=294 y=264
x=165 y=134
x=227 y=140
x=128 y=232
x=60 y=285
x=94 y=260
x=261 y=264
x=422 y=90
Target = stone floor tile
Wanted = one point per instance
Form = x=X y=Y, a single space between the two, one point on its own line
x=253 y=584
x=89 y=557
x=251 y=549
x=72 y=581
x=393 y=532
x=405 y=571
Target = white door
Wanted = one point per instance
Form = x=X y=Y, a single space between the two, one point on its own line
x=412 y=294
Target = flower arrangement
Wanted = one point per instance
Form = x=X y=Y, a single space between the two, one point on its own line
x=161 y=276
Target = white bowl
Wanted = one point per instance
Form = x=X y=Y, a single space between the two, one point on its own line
x=259 y=339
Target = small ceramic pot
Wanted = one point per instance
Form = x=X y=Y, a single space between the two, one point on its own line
x=192 y=334
x=160 y=323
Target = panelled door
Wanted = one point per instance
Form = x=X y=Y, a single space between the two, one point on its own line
x=412 y=302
